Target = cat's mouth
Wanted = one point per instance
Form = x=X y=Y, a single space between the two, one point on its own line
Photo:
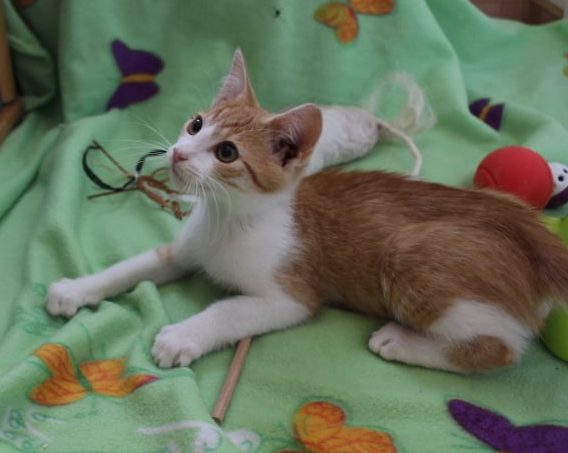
x=183 y=177
x=179 y=177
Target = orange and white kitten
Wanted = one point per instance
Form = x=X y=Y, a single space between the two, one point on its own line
x=467 y=277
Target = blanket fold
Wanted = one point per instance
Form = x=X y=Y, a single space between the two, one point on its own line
x=89 y=384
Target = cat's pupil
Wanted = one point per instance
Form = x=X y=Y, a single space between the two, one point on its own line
x=195 y=125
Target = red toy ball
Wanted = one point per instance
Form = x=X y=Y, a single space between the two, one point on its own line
x=519 y=171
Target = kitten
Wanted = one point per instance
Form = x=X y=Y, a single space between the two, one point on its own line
x=466 y=276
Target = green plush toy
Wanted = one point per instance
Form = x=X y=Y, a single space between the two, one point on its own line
x=555 y=335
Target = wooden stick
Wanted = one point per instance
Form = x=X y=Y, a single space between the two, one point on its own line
x=230 y=383
x=9 y=116
x=7 y=86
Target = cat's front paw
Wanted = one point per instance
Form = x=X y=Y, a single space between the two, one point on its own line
x=66 y=296
x=173 y=346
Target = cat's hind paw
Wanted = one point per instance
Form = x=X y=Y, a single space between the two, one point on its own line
x=391 y=342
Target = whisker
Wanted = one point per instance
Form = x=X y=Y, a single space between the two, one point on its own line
x=207 y=201
x=212 y=220
x=152 y=128
x=217 y=214
x=225 y=192
x=144 y=143
x=130 y=152
x=187 y=188
x=203 y=198
x=128 y=158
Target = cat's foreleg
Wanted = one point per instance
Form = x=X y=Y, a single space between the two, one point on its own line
x=223 y=323
x=66 y=296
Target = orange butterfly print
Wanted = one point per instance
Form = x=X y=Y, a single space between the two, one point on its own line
x=320 y=428
x=342 y=17
x=67 y=384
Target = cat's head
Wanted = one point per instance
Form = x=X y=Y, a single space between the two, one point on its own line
x=237 y=147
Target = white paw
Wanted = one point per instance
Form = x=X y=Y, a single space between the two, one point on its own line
x=390 y=342
x=174 y=346
x=66 y=296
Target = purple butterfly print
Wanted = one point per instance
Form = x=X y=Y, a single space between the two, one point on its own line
x=131 y=93
x=492 y=115
x=139 y=69
x=499 y=433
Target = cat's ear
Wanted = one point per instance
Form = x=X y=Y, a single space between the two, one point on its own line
x=295 y=133
x=236 y=84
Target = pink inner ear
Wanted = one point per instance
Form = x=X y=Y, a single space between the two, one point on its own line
x=298 y=131
x=286 y=150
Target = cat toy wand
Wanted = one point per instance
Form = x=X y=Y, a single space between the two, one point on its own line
x=155 y=189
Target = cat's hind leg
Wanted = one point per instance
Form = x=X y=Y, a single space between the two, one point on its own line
x=468 y=337
x=480 y=336
x=394 y=342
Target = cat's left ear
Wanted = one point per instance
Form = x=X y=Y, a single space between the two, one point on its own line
x=236 y=84
x=295 y=133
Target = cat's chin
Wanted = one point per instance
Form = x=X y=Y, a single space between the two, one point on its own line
x=179 y=181
x=176 y=182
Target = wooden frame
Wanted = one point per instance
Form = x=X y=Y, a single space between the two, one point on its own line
x=11 y=107
x=528 y=11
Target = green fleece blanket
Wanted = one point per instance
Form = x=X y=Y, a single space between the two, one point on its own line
x=89 y=384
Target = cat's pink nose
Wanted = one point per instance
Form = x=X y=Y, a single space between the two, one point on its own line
x=179 y=156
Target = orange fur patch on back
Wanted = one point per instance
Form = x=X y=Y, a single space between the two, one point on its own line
x=388 y=246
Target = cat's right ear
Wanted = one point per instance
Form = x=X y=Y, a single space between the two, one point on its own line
x=236 y=84
x=295 y=133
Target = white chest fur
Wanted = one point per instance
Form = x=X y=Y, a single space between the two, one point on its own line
x=242 y=253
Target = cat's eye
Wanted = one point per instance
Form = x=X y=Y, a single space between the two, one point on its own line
x=195 y=126
x=227 y=152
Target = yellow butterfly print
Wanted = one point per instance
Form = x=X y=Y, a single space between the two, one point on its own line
x=374 y=7
x=67 y=384
x=342 y=17
x=320 y=428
